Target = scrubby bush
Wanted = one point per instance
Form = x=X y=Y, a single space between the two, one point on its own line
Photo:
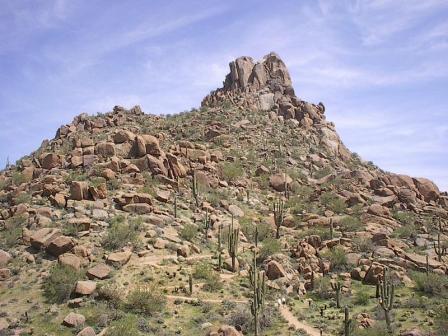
x=231 y=171
x=404 y=217
x=111 y=293
x=188 y=232
x=378 y=329
x=337 y=258
x=350 y=224
x=248 y=228
x=405 y=231
x=213 y=283
x=270 y=246
x=322 y=288
x=361 y=298
x=145 y=300
x=23 y=197
x=363 y=244
x=125 y=326
x=333 y=202
x=18 y=178
x=202 y=270
x=121 y=233
x=431 y=284
x=12 y=232
x=60 y=283
x=441 y=321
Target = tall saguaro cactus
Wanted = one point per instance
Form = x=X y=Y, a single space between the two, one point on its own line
x=439 y=248
x=337 y=286
x=195 y=189
x=220 y=247
x=347 y=322
x=387 y=294
x=279 y=215
x=175 y=205
x=232 y=246
x=206 y=224
x=331 y=229
x=258 y=283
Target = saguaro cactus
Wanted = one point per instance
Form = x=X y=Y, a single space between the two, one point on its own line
x=337 y=286
x=220 y=247
x=175 y=205
x=331 y=229
x=206 y=224
x=347 y=322
x=258 y=284
x=386 y=300
x=190 y=283
x=195 y=189
x=279 y=215
x=439 y=248
x=232 y=246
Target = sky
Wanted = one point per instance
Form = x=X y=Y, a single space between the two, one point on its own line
x=379 y=66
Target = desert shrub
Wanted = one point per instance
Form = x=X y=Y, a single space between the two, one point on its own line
x=202 y=270
x=145 y=300
x=126 y=326
x=325 y=171
x=75 y=176
x=404 y=217
x=322 y=288
x=120 y=233
x=337 y=258
x=323 y=233
x=12 y=232
x=441 y=321
x=432 y=284
x=60 y=283
x=270 y=247
x=361 y=298
x=231 y=171
x=23 y=197
x=406 y=231
x=3 y=184
x=188 y=232
x=350 y=224
x=97 y=181
x=248 y=228
x=18 y=178
x=378 y=329
x=363 y=244
x=333 y=202
x=213 y=283
x=111 y=293
x=241 y=317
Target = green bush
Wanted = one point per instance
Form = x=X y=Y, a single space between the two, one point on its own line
x=12 y=232
x=270 y=246
x=406 y=231
x=126 y=326
x=111 y=293
x=23 y=197
x=333 y=202
x=378 y=329
x=231 y=171
x=145 y=300
x=323 y=172
x=441 y=321
x=404 y=217
x=18 y=178
x=203 y=270
x=432 y=284
x=188 y=232
x=350 y=224
x=248 y=228
x=363 y=244
x=60 y=283
x=322 y=288
x=337 y=258
x=362 y=298
x=120 y=233
x=213 y=283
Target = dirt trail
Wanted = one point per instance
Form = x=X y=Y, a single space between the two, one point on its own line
x=292 y=320
x=188 y=298
x=155 y=260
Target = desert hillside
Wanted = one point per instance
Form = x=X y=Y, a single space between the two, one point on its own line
x=247 y=216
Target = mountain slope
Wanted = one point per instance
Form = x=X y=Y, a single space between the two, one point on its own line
x=120 y=213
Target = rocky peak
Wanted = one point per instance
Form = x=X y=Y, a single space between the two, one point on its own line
x=249 y=76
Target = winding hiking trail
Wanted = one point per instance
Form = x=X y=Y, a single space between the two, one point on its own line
x=189 y=298
x=292 y=320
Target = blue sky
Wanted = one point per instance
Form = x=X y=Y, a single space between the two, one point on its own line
x=379 y=66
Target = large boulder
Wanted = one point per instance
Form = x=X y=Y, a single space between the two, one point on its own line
x=427 y=189
x=100 y=271
x=74 y=320
x=50 y=161
x=106 y=149
x=147 y=144
x=79 y=190
x=279 y=181
x=275 y=270
x=5 y=257
x=85 y=287
x=43 y=237
x=60 y=245
x=119 y=258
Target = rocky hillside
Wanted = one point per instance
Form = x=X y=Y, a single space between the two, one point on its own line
x=248 y=215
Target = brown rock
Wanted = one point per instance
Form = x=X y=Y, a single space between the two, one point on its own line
x=163 y=195
x=5 y=274
x=100 y=271
x=50 y=161
x=43 y=237
x=71 y=260
x=183 y=251
x=123 y=136
x=138 y=208
x=119 y=258
x=427 y=188
x=226 y=330
x=88 y=331
x=60 y=245
x=275 y=270
x=5 y=257
x=73 y=320
x=278 y=181
x=79 y=190
x=105 y=149
x=378 y=210
x=85 y=287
